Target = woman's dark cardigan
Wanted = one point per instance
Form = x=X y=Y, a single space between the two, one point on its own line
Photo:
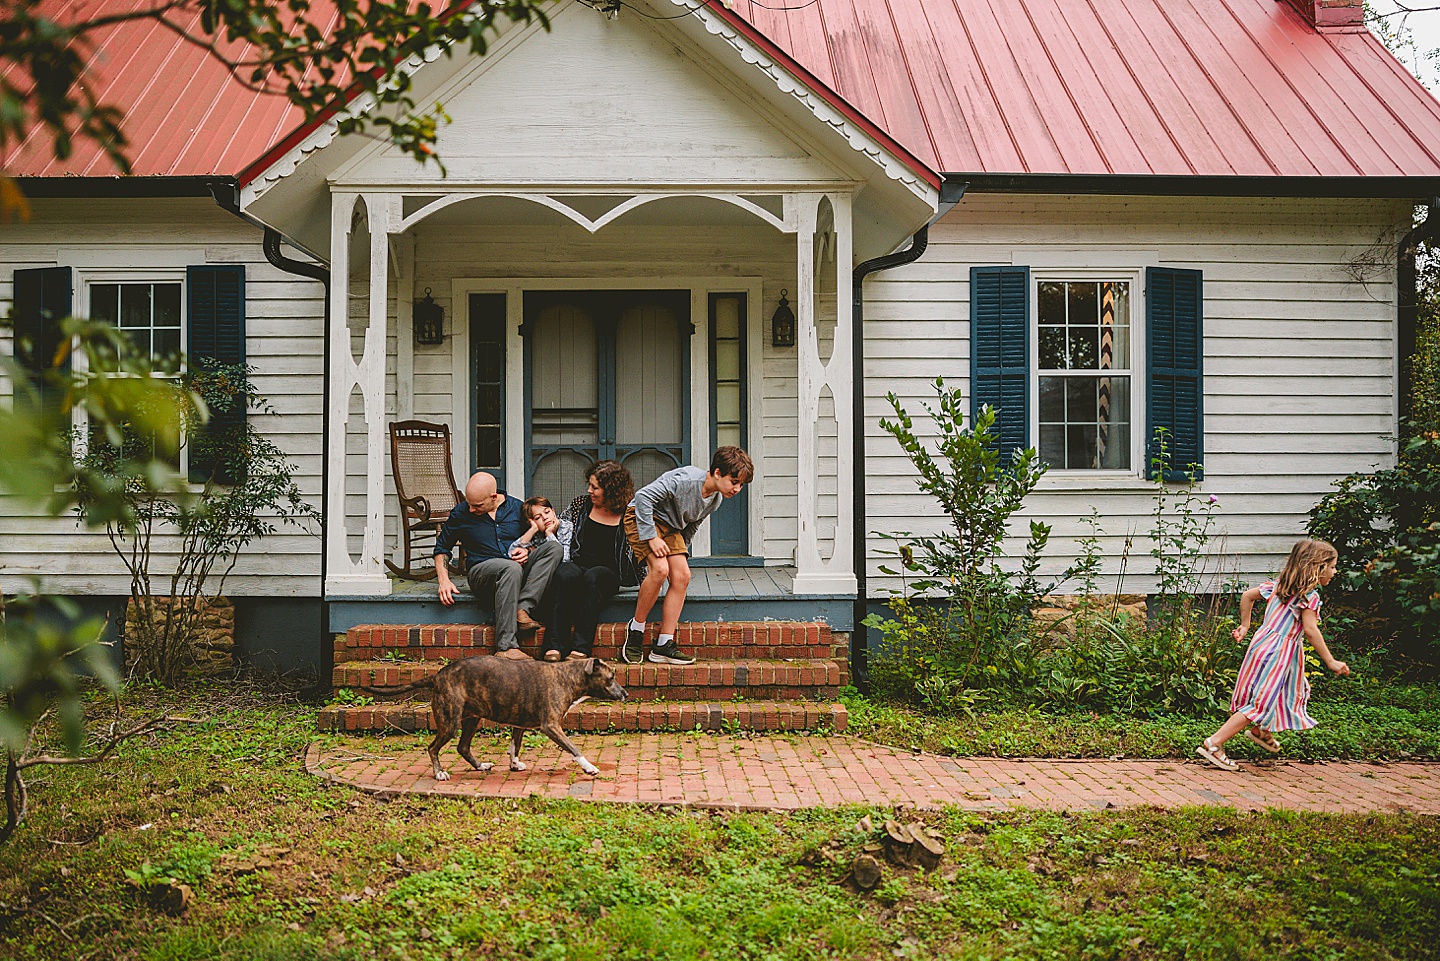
x=624 y=564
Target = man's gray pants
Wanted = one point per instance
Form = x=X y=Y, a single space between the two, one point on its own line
x=506 y=587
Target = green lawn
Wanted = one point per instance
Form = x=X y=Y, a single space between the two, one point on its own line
x=283 y=866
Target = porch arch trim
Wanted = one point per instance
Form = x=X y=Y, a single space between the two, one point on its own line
x=635 y=202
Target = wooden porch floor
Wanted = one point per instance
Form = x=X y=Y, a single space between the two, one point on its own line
x=705 y=583
x=716 y=593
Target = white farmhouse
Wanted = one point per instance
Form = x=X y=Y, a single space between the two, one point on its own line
x=1110 y=217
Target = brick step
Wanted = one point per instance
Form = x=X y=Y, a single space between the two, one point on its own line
x=707 y=640
x=705 y=680
x=712 y=716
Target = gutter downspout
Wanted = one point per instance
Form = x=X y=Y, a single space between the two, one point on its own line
x=1407 y=311
x=227 y=196
x=950 y=194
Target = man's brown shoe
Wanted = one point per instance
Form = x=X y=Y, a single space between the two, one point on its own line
x=514 y=654
x=552 y=656
x=526 y=623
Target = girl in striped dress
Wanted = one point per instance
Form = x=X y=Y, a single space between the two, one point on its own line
x=1271 y=691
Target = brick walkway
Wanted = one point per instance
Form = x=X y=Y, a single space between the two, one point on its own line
x=796 y=772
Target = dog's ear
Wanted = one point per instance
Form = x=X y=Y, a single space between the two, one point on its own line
x=590 y=666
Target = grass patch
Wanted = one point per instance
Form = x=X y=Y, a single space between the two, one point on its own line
x=285 y=866
x=1377 y=722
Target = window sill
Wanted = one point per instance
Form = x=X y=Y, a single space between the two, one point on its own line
x=1058 y=482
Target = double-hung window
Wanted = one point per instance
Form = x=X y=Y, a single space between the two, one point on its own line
x=147 y=313
x=1083 y=374
x=1094 y=369
x=198 y=310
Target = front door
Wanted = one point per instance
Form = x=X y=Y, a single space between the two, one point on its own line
x=607 y=377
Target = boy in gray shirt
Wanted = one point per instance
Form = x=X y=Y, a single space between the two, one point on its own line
x=659 y=524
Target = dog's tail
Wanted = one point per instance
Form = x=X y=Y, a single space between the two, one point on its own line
x=425 y=683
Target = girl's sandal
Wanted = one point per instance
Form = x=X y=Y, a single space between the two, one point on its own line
x=1264 y=738
x=1216 y=756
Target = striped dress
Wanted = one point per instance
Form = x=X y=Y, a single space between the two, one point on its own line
x=1272 y=690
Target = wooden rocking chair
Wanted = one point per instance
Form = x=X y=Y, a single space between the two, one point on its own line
x=425 y=483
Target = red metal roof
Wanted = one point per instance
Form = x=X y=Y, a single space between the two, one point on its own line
x=1179 y=87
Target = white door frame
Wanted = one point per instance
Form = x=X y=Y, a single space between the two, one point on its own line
x=700 y=288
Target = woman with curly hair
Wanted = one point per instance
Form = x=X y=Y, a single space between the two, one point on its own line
x=598 y=561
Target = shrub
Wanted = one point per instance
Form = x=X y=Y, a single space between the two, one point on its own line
x=210 y=525
x=976 y=634
x=1386 y=527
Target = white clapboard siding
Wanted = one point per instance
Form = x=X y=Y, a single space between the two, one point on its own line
x=284 y=322
x=1299 y=358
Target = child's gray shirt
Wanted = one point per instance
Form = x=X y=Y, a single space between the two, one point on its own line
x=674 y=497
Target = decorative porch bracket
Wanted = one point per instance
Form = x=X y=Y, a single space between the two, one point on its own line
x=344 y=574
x=815 y=574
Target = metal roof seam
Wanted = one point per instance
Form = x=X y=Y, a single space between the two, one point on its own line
x=1299 y=95
x=989 y=85
x=1140 y=86
x=1080 y=111
x=1389 y=108
x=910 y=75
x=942 y=77
x=1210 y=77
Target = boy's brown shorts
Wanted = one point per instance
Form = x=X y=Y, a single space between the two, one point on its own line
x=673 y=539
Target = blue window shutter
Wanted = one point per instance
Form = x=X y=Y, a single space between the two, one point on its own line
x=42 y=299
x=1000 y=351
x=1174 y=363
x=215 y=310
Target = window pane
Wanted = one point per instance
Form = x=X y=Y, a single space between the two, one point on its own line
x=166 y=343
x=1113 y=421
x=1084 y=344
x=1115 y=454
x=727 y=403
x=727 y=318
x=1052 y=303
x=1084 y=304
x=1052 y=348
x=1120 y=354
x=488 y=441
x=487 y=404
x=104 y=303
x=1080 y=445
x=167 y=305
x=1052 y=445
x=727 y=436
x=727 y=360
x=1080 y=400
x=489 y=360
x=1052 y=399
x=135 y=305
x=1115 y=306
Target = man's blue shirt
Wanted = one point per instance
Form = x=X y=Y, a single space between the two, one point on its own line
x=482 y=537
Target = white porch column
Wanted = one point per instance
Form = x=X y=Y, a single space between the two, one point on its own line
x=344 y=574
x=814 y=574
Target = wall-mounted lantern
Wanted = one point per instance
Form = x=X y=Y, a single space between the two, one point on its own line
x=782 y=325
x=429 y=321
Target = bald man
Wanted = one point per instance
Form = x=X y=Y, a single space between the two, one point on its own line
x=510 y=580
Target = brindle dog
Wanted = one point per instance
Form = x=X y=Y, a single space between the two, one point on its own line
x=522 y=695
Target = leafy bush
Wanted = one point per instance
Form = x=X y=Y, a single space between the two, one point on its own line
x=976 y=636
x=211 y=524
x=1183 y=664
x=963 y=636
x=1386 y=527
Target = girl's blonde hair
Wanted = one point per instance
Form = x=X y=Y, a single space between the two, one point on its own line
x=1301 y=573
